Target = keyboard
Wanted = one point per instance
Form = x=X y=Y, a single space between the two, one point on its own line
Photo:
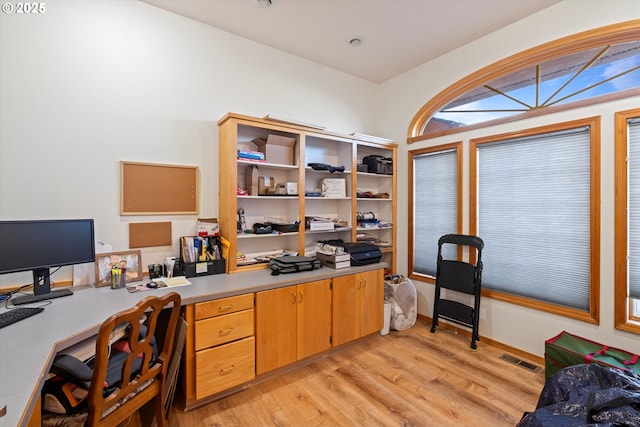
x=17 y=314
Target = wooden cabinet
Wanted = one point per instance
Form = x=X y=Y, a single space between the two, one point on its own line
x=292 y=323
x=363 y=192
x=357 y=305
x=221 y=350
x=231 y=340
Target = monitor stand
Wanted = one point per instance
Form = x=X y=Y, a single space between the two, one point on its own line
x=41 y=289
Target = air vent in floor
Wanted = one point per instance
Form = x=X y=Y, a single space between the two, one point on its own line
x=526 y=365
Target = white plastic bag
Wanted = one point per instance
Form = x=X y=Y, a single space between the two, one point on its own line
x=403 y=296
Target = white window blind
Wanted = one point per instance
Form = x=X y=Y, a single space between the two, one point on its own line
x=435 y=205
x=633 y=212
x=534 y=216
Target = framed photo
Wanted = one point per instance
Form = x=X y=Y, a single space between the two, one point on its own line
x=131 y=260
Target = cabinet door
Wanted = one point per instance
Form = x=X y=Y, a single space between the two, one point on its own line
x=275 y=328
x=346 y=309
x=314 y=318
x=372 y=301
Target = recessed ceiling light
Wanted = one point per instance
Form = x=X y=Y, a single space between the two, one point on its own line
x=264 y=3
x=356 y=41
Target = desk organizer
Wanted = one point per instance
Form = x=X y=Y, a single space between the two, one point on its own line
x=201 y=256
x=204 y=268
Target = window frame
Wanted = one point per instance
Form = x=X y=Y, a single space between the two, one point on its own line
x=458 y=147
x=598 y=37
x=622 y=304
x=593 y=314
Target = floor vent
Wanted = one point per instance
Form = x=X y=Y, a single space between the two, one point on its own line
x=526 y=365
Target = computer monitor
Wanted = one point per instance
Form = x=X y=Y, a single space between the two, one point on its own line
x=38 y=245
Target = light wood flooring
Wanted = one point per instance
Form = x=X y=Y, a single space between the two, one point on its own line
x=405 y=378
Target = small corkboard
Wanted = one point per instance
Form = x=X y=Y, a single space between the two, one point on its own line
x=147 y=234
x=155 y=189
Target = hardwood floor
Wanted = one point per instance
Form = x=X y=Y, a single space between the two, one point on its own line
x=405 y=378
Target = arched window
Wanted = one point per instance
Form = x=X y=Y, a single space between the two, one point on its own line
x=586 y=68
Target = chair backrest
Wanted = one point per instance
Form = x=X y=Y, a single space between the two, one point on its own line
x=452 y=273
x=141 y=373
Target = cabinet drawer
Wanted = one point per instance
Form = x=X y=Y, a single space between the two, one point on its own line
x=223 y=367
x=223 y=329
x=223 y=306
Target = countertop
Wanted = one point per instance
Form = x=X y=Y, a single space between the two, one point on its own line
x=27 y=348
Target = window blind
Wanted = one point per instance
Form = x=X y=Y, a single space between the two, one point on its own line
x=534 y=216
x=633 y=211
x=435 y=205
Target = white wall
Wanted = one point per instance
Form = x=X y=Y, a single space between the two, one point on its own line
x=405 y=95
x=88 y=84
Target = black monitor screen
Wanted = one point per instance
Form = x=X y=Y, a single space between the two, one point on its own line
x=41 y=244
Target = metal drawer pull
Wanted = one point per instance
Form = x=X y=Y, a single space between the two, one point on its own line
x=226 y=370
x=225 y=331
x=225 y=307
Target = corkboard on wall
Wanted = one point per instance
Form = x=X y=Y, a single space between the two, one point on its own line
x=148 y=234
x=156 y=189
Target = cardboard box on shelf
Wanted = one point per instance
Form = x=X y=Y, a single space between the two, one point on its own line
x=251 y=180
x=266 y=184
x=277 y=149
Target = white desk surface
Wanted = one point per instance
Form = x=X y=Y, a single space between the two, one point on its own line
x=27 y=348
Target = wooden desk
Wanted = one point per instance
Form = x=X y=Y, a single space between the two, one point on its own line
x=28 y=347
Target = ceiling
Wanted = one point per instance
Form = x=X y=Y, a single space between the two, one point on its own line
x=396 y=35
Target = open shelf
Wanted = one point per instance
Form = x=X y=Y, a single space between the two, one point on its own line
x=310 y=145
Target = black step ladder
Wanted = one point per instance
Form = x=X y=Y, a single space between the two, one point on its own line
x=459 y=276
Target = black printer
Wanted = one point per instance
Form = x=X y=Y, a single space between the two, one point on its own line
x=362 y=253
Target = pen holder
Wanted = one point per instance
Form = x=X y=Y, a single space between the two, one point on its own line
x=118 y=278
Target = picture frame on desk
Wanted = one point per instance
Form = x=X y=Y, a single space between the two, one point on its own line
x=131 y=260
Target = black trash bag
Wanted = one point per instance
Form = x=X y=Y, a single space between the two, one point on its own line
x=587 y=396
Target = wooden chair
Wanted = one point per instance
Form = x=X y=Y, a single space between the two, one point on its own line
x=129 y=373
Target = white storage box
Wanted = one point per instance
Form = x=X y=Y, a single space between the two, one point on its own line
x=333 y=260
x=321 y=225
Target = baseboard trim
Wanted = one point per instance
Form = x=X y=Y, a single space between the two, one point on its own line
x=521 y=353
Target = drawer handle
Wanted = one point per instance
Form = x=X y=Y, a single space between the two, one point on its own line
x=224 y=371
x=225 y=307
x=225 y=331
